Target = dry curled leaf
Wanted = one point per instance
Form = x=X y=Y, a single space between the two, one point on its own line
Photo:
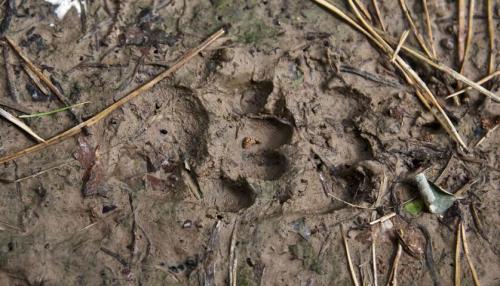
x=93 y=176
x=412 y=240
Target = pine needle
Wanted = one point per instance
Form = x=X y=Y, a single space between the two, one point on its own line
x=377 y=12
x=363 y=9
x=491 y=37
x=393 y=278
x=429 y=29
x=470 y=35
x=374 y=260
x=461 y=30
x=458 y=263
x=40 y=76
x=41 y=114
x=481 y=81
x=20 y=124
x=422 y=91
x=124 y=100
x=467 y=255
x=400 y=44
x=417 y=34
x=348 y=255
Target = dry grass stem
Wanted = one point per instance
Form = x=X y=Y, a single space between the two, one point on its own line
x=486 y=136
x=14 y=106
x=411 y=76
x=363 y=9
x=382 y=219
x=393 y=278
x=461 y=29
x=458 y=263
x=418 y=36
x=14 y=120
x=233 y=259
x=379 y=15
x=354 y=277
x=468 y=256
x=429 y=28
x=491 y=36
x=37 y=71
x=34 y=78
x=470 y=34
x=103 y=114
x=481 y=81
x=451 y=72
x=44 y=171
x=374 y=260
x=400 y=44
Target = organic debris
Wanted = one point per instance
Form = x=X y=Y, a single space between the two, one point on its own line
x=436 y=199
x=93 y=173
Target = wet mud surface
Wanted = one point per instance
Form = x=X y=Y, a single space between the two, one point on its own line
x=289 y=106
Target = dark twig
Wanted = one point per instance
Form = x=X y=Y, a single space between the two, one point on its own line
x=9 y=73
x=42 y=77
x=369 y=76
x=10 y=10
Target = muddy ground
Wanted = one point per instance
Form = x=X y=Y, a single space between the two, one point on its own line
x=240 y=136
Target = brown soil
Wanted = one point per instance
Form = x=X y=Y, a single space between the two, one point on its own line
x=240 y=136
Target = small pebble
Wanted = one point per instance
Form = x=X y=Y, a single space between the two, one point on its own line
x=187 y=223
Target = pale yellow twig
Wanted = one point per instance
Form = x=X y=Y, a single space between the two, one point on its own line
x=458 y=263
x=470 y=34
x=429 y=28
x=491 y=37
x=400 y=44
x=379 y=15
x=469 y=259
x=481 y=81
x=14 y=120
x=349 y=260
x=417 y=34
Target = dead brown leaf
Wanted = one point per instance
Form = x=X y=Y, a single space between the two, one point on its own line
x=93 y=176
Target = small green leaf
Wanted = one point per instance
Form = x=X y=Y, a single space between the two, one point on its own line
x=414 y=207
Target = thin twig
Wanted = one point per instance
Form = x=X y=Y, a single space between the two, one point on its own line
x=374 y=260
x=349 y=261
x=467 y=255
x=363 y=9
x=481 y=81
x=124 y=100
x=328 y=192
x=451 y=72
x=377 y=12
x=34 y=78
x=486 y=136
x=461 y=30
x=41 y=76
x=458 y=263
x=422 y=91
x=41 y=114
x=20 y=124
x=9 y=73
x=14 y=106
x=233 y=258
x=384 y=218
x=417 y=34
x=393 y=279
x=43 y=171
x=491 y=37
x=400 y=44
x=429 y=28
x=470 y=34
